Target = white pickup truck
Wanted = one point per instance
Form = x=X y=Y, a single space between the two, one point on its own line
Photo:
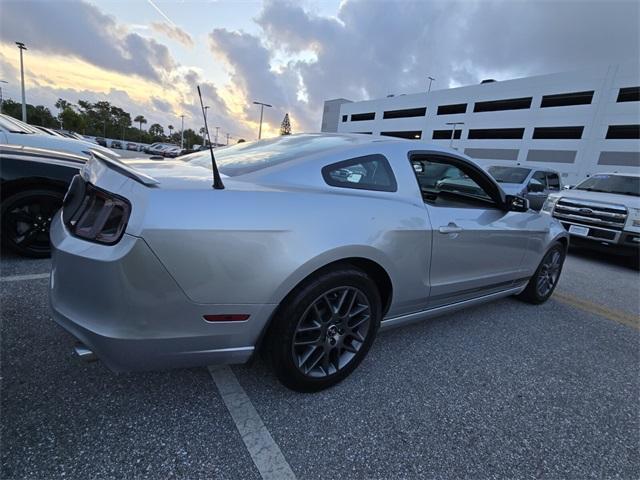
x=602 y=211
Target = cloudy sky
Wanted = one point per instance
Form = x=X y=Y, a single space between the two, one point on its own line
x=147 y=56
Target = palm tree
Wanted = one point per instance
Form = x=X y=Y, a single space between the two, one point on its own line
x=170 y=127
x=140 y=119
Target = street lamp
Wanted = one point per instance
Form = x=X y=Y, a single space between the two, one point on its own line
x=453 y=131
x=216 y=137
x=182 y=132
x=21 y=47
x=262 y=105
x=431 y=79
x=1 y=81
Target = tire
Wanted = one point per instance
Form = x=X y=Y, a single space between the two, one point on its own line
x=550 y=269
x=329 y=342
x=26 y=217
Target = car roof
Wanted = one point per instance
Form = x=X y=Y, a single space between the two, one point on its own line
x=619 y=174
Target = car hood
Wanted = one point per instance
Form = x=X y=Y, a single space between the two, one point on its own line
x=613 y=198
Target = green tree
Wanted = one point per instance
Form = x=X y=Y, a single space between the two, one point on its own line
x=285 y=126
x=140 y=120
x=156 y=130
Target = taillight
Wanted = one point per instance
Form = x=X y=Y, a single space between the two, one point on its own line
x=99 y=216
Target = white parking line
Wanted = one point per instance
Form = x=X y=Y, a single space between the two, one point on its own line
x=264 y=451
x=18 y=278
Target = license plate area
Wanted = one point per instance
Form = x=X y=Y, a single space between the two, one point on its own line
x=578 y=230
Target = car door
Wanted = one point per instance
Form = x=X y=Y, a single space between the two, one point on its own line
x=477 y=245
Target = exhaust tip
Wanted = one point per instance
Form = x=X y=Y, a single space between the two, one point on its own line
x=84 y=353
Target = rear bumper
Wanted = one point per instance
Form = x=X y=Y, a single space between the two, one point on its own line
x=122 y=303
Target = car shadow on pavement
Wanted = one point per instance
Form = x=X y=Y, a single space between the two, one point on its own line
x=631 y=262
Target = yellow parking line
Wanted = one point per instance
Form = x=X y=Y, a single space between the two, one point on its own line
x=609 y=313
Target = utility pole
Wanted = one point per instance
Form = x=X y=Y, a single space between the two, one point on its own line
x=1 y=81
x=21 y=47
x=182 y=132
x=216 y=137
x=453 y=131
x=431 y=79
x=228 y=138
x=262 y=105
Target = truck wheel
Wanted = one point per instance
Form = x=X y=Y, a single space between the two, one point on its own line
x=324 y=330
x=26 y=217
x=542 y=284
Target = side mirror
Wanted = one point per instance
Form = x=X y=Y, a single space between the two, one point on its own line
x=515 y=203
x=535 y=187
x=567 y=187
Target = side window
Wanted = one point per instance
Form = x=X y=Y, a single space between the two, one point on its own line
x=554 y=181
x=541 y=178
x=447 y=185
x=371 y=172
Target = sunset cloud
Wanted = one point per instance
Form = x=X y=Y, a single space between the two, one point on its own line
x=173 y=32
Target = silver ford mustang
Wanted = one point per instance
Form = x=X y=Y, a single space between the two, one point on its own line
x=315 y=243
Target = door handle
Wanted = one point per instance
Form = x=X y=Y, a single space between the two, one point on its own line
x=451 y=228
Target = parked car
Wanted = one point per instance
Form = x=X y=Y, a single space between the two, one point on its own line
x=101 y=141
x=132 y=146
x=154 y=268
x=173 y=151
x=32 y=186
x=48 y=131
x=601 y=212
x=533 y=183
x=116 y=144
x=17 y=133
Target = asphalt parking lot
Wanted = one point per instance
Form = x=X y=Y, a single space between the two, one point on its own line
x=504 y=390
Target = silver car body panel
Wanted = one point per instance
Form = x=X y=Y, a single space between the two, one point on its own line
x=190 y=250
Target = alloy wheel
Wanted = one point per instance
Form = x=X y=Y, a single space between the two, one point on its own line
x=549 y=273
x=331 y=331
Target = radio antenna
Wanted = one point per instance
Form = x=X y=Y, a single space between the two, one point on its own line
x=217 y=181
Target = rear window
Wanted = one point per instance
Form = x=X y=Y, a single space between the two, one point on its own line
x=250 y=157
x=509 y=174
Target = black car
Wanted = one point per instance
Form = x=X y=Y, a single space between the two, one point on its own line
x=33 y=185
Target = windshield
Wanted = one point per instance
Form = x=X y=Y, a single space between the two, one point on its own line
x=619 y=184
x=509 y=174
x=252 y=156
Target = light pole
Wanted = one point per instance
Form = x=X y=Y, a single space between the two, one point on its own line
x=21 y=47
x=262 y=105
x=1 y=81
x=431 y=79
x=453 y=131
x=216 y=137
x=228 y=138
x=182 y=132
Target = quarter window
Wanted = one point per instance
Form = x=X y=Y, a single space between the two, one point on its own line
x=371 y=172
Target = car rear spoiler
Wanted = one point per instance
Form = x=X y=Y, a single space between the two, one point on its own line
x=123 y=169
